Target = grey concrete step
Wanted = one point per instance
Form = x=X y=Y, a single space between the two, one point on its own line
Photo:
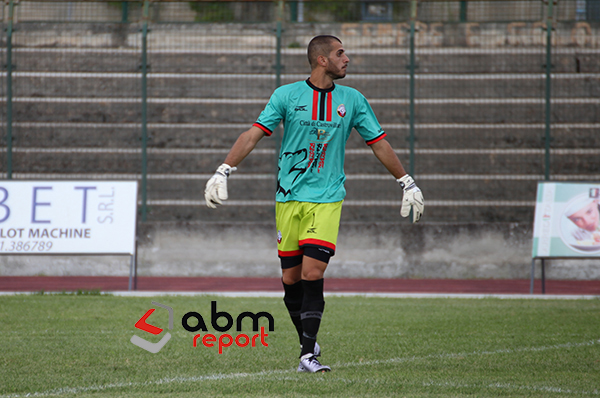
x=438 y=162
x=222 y=136
x=349 y=213
x=378 y=189
x=198 y=60
x=244 y=86
x=184 y=110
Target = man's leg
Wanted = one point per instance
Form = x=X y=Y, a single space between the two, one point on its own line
x=312 y=310
x=313 y=302
x=290 y=255
x=293 y=295
x=307 y=233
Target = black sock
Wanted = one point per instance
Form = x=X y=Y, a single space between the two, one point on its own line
x=293 y=296
x=311 y=313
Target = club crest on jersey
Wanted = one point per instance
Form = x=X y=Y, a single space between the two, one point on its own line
x=341 y=110
x=279 y=236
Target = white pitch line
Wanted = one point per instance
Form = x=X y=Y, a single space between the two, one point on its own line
x=279 y=372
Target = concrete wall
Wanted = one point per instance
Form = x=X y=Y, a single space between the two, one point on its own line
x=382 y=250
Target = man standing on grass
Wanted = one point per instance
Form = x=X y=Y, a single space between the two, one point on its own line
x=318 y=117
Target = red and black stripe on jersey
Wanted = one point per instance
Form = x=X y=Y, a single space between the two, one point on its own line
x=263 y=128
x=322 y=104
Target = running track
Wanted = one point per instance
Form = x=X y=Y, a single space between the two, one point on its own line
x=332 y=285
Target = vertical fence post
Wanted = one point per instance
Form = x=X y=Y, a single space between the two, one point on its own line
x=278 y=68
x=548 y=136
x=411 y=89
x=278 y=33
x=462 y=17
x=9 y=67
x=144 y=68
x=124 y=11
x=278 y=65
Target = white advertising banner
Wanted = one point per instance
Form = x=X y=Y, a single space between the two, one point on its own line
x=68 y=217
x=567 y=220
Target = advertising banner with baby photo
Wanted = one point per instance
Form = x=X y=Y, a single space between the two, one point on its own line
x=567 y=220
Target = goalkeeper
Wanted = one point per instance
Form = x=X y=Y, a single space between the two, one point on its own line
x=318 y=117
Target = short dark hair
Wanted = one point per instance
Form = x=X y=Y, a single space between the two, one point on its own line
x=320 y=45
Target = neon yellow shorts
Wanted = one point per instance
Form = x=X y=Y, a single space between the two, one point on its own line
x=302 y=224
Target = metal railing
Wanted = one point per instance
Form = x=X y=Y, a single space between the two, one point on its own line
x=479 y=98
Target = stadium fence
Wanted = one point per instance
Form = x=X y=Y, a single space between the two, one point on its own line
x=481 y=99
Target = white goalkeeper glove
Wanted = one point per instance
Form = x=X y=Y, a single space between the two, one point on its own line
x=216 y=188
x=412 y=198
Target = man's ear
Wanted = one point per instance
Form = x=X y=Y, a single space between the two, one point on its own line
x=322 y=60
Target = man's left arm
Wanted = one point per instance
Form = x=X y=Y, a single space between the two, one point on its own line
x=413 y=197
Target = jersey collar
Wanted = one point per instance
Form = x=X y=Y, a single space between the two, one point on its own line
x=321 y=90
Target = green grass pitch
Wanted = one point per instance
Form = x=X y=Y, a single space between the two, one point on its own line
x=79 y=346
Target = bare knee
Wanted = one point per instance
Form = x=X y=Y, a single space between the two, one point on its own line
x=289 y=276
x=313 y=269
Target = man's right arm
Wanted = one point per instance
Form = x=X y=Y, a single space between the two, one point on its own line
x=244 y=145
x=216 y=188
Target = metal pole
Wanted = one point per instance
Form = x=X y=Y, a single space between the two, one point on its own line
x=411 y=89
x=411 y=93
x=135 y=266
x=9 y=67
x=293 y=11
x=124 y=11
x=463 y=11
x=543 y=277
x=278 y=68
x=144 y=68
x=278 y=33
x=131 y=263
x=278 y=65
x=532 y=276
x=548 y=136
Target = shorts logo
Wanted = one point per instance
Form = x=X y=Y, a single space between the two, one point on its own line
x=279 y=236
x=341 y=110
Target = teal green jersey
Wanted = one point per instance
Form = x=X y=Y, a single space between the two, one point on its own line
x=317 y=124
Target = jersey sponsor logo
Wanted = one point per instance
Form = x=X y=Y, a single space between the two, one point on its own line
x=314 y=123
x=316 y=156
x=301 y=108
x=321 y=134
x=341 y=110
